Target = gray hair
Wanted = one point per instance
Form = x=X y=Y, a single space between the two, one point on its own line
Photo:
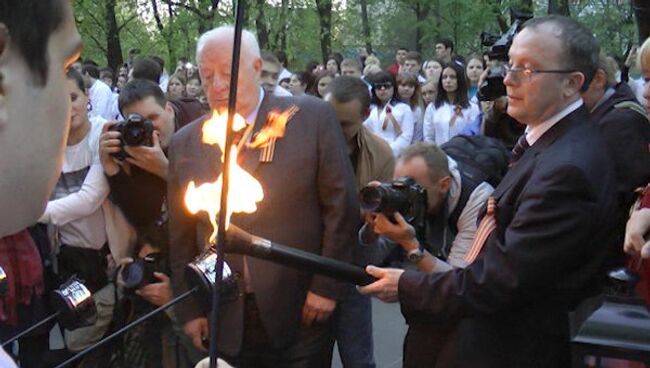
x=249 y=45
x=581 y=49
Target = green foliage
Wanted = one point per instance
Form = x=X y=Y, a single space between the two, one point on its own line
x=392 y=23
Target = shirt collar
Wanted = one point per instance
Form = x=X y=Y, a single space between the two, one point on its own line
x=536 y=132
x=253 y=115
x=608 y=93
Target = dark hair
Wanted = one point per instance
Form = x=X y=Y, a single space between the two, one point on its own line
x=447 y=42
x=284 y=80
x=282 y=57
x=581 y=48
x=73 y=75
x=462 y=98
x=381 y=77
x=413 y=55
x=148 y=69
x=91 y=70
x=269 y=57
x=411 y=80
x=139 y=89
x=155 y=235
x=337 y=57
x=159 y=60
x=310 y=66
x=401 y=48
x=107 y=72
x=30 y=23
x=346 y=89
x=320 y=76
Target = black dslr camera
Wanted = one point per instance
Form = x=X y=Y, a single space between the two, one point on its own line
x=403 y=195
x=139 y=273
x=135 y=131
x=493 y=87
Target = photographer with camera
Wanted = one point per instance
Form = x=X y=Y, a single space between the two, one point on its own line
x=133 y=152
x=145 y=284
x=434 y=206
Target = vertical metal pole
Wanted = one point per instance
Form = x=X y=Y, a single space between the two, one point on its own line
x=223 y=209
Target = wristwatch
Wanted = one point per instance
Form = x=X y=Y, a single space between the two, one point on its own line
x=415 y=255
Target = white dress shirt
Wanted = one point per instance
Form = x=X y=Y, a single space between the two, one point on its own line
x=437 y=127
x=534 y=133
x=101 y=100
x=404 y=117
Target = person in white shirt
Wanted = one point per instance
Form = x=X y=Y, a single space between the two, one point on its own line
x=452 y=110
x=100 y=95
x=90 y=234
x=271 y=68
x=408 y=91
x=390 y=119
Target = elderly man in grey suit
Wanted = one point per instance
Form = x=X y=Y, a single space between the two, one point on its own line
x=281 y=315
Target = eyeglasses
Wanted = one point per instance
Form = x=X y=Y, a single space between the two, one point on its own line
x=526 y=74
x=385 y=85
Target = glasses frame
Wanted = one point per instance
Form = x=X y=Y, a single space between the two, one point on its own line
x=384 y=85
x=526 y=74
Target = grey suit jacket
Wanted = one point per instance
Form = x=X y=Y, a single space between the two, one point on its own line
x=310 y=203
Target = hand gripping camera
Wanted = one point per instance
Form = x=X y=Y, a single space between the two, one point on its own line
x=403 y=195
x=135 y=131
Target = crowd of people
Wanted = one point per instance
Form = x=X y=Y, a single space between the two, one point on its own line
x=490 y=261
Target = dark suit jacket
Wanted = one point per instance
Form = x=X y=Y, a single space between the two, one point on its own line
x=310 y=203
x=510 y=307
x=627 y=135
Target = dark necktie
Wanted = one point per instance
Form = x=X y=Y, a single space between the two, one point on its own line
x=519 y=149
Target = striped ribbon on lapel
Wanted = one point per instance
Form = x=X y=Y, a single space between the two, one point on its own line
x=485 y=228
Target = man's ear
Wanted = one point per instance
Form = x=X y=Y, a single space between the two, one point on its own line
x=574 y=83
x=444 y=183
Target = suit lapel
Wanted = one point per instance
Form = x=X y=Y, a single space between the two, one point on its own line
x=523 y=166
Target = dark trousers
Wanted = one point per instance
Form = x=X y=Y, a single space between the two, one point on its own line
x=312 y=349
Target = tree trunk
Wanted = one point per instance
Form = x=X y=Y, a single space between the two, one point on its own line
x=642 y=15
x=324 y=8
x=260 y=25
x=560 y=7
x=421 y=14
x=164 y=32
x=113 y=46
x=365 y=25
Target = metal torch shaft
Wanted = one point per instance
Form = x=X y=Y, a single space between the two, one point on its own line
x=223 y=208
x=122 y=330
x=32 y=328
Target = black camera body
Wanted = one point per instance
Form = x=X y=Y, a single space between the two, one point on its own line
x=139 y=273
x=493 y=87
x=403 y=195
x=135 y=131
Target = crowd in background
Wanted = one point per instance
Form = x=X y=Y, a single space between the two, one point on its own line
x=415 y=99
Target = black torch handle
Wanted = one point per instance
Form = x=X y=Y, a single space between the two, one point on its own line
x=240 y=242
x=32 y=328
x=315 y=263
x=128 y=327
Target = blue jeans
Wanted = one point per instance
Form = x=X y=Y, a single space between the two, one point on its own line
x=353 y=331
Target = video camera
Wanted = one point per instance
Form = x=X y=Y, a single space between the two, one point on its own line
x=493 y=87
x=403 y=195
x=135 y=131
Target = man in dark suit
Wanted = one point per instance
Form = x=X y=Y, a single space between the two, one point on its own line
x=309 y=203
x=543 y=254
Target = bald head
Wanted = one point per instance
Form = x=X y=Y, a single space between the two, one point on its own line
x=214 y=56
x=226 y=35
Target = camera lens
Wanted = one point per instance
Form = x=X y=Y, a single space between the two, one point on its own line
x=134 y=135
x=371 y=198
x=133 y=275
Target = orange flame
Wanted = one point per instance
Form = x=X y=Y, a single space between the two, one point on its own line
x=274 y=128
x=244 y=190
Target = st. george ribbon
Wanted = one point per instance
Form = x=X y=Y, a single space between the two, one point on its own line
x=223 y=210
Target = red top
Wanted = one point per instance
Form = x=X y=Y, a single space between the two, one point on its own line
x=645 y=200
x=393 y=69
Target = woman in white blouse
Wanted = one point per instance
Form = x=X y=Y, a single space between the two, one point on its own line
x=452 y=110
x=390 y=119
